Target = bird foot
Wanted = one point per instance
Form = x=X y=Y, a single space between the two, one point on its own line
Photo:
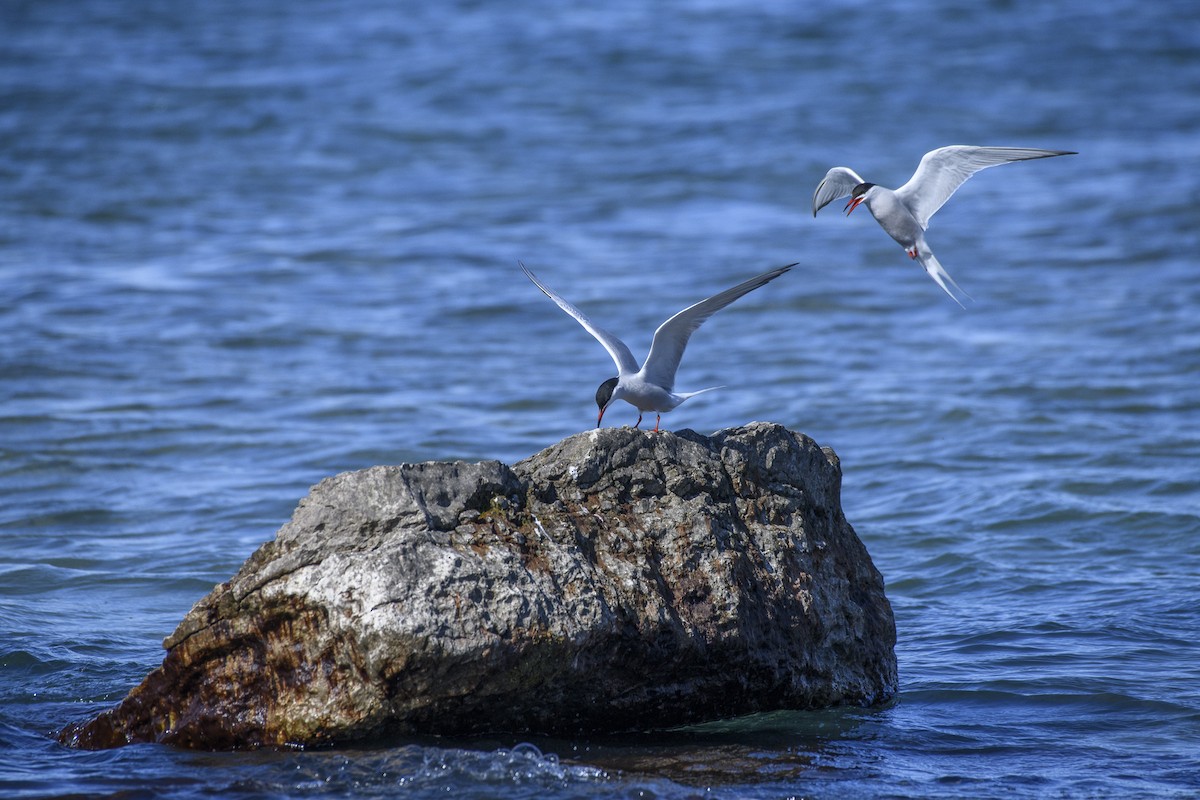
x=912 y=253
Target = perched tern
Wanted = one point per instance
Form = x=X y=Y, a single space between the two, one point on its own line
x=904 y=213
x=650 y=387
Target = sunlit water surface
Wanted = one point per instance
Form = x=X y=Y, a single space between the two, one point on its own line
x=244 y=246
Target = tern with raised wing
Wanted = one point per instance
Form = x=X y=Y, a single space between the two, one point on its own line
x=651 y=387
x=904 y=213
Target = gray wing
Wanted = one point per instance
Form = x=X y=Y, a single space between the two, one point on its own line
x=838 y=182
x=626 y=363
x=942 y=171
x=672 y=336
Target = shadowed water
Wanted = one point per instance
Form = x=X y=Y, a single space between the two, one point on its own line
x=247 y=246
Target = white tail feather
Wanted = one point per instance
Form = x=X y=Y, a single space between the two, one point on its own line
x=686 y=395
x=939 y=274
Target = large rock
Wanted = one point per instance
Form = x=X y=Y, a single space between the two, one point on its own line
x=618 y=580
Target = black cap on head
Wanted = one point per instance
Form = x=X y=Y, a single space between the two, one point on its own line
x=861 y=189
x=604 y=397
x=605 y=392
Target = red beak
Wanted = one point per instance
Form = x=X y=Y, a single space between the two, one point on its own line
x=853 y=204
x=599 y=418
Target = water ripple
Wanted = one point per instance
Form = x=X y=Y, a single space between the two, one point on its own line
x=245 y=248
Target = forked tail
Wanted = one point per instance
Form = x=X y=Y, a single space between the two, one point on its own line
x=939 y=274
x=686 y=395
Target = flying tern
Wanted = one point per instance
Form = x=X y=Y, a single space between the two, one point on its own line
x=650 y=387
x=904 y=213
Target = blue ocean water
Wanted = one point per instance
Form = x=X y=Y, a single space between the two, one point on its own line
x=246 y=246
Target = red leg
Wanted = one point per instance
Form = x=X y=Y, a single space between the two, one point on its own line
x=657 y=419
x=639 y=422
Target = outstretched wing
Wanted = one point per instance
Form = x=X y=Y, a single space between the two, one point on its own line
x=672 y=336
x=942 y=171
x=626 y=363
x=838 y=182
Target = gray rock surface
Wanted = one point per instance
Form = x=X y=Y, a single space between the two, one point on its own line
x=617 y=580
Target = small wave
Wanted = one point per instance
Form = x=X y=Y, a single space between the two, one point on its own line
x=426 y=770
x=522 y=764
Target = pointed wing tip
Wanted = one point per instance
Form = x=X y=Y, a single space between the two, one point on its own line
x=529 y=274
x=838 y=182
x=767 y=277
x=1047 y=153
x=541 y=286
